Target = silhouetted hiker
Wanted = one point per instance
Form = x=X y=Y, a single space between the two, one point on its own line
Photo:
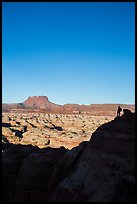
x=118 y=111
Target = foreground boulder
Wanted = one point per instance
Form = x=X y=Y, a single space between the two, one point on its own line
x=104 y=171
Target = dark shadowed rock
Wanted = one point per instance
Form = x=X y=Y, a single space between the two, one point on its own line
x=35 y=172
x=126 y=111
x=12 y=157
x=106 y=163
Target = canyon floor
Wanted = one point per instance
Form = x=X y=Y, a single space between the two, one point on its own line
x=49 y=130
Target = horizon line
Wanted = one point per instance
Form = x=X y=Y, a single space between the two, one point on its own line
x=78 y=103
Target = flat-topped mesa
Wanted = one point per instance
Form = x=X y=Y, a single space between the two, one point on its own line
x=37 y=97
x=39 y=102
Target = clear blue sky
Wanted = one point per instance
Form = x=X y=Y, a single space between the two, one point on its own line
x=71 y=52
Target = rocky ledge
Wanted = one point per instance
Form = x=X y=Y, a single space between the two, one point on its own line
x=99 y=170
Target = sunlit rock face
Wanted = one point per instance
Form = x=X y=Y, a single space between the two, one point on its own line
x=37 y=102
x=99 y=170
x=49 y=130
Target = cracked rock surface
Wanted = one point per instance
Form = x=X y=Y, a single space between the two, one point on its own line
x=53 y=130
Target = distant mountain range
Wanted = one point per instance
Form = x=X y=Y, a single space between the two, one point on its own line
x=42 y=104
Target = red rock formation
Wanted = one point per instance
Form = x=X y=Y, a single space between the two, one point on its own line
x=6 y=107
x=39 y=102
x=42 y=104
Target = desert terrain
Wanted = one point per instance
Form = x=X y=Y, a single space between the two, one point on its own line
x=41 y=123
x=72 y=154
x=53 y=130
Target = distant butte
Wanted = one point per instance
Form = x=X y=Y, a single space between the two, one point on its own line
x=39 y=102
x=42 y=104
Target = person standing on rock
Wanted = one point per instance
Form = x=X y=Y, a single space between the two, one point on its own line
x=118 y=111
